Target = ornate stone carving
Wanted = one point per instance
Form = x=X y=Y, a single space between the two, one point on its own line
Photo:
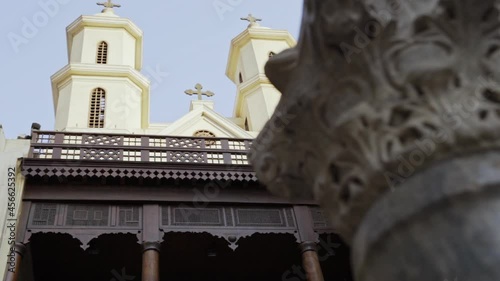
x=375 y=92
x=365 y=110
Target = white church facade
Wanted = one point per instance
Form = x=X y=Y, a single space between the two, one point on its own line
x=102 y=89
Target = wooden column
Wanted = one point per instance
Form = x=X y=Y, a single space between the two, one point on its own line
x=14 y=260
x=310 y=261
x=151 y=261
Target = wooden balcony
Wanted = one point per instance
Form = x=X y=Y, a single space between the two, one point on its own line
x=189 y=157
x=138 y=148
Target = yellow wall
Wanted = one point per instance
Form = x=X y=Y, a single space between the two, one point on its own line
x=10 y=152
x=256 y=97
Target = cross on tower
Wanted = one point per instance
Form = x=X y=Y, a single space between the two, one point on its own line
x=109 y=4
x=199 y=92
x=251 y=19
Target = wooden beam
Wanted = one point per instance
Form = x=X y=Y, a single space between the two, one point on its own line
x=197 y=196
x=305 y=224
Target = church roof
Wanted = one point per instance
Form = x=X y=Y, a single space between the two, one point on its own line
x=204 y=117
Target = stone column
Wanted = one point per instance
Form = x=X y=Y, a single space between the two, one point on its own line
x=14 y=261
x=310 y=261
x=390 y=119
x=151 y=261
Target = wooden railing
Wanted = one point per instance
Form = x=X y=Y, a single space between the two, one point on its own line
x=138 y=148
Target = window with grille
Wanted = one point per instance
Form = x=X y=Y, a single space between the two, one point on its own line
x=247 y=127
x=97 y=108
x=102 y=53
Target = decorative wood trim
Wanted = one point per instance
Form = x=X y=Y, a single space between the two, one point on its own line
x=70 y=169
x=151 y=223
x=150 y=227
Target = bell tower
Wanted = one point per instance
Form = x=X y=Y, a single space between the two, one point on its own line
x=256 y=97
x=101 y=87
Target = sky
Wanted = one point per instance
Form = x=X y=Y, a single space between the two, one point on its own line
x=185 y=42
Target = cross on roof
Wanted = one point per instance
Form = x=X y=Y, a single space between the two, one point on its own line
x=199 y=92
x=251 y=19
x=109 y=4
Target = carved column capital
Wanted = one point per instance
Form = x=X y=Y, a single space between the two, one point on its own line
x=20 y=249
x=374 y=93
x=308 y=246
x=151 y=246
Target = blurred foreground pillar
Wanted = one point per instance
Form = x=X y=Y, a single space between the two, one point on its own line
x=390 y=119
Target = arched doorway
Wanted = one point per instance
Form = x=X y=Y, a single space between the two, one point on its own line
x=201 y=256
x=59 y=257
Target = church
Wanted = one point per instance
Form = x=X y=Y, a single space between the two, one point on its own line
x=107 y=195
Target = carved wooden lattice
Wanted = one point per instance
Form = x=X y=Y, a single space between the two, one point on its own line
x=131 y=141
x=87 y=215
x=45 y=214
x=101 y=154
x=319 y=219
x=197 y=216
x=185 y=143
x=129 y=216
x=254 y=217
x=158 y=142
x=187 y=157
x=260 y=217
x=72 y=139
x=102 y=140
x=42 y=153
x=131 y=155
x=239 y=159
x=71 y=154
x=237 y=145
x=131 y=148
x=45 y=138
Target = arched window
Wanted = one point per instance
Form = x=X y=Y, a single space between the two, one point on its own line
x=97 y=108
x=102 y=53
x=247 y=128
x=206 y=134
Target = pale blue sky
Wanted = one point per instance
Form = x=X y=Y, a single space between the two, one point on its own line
x=188 y=39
